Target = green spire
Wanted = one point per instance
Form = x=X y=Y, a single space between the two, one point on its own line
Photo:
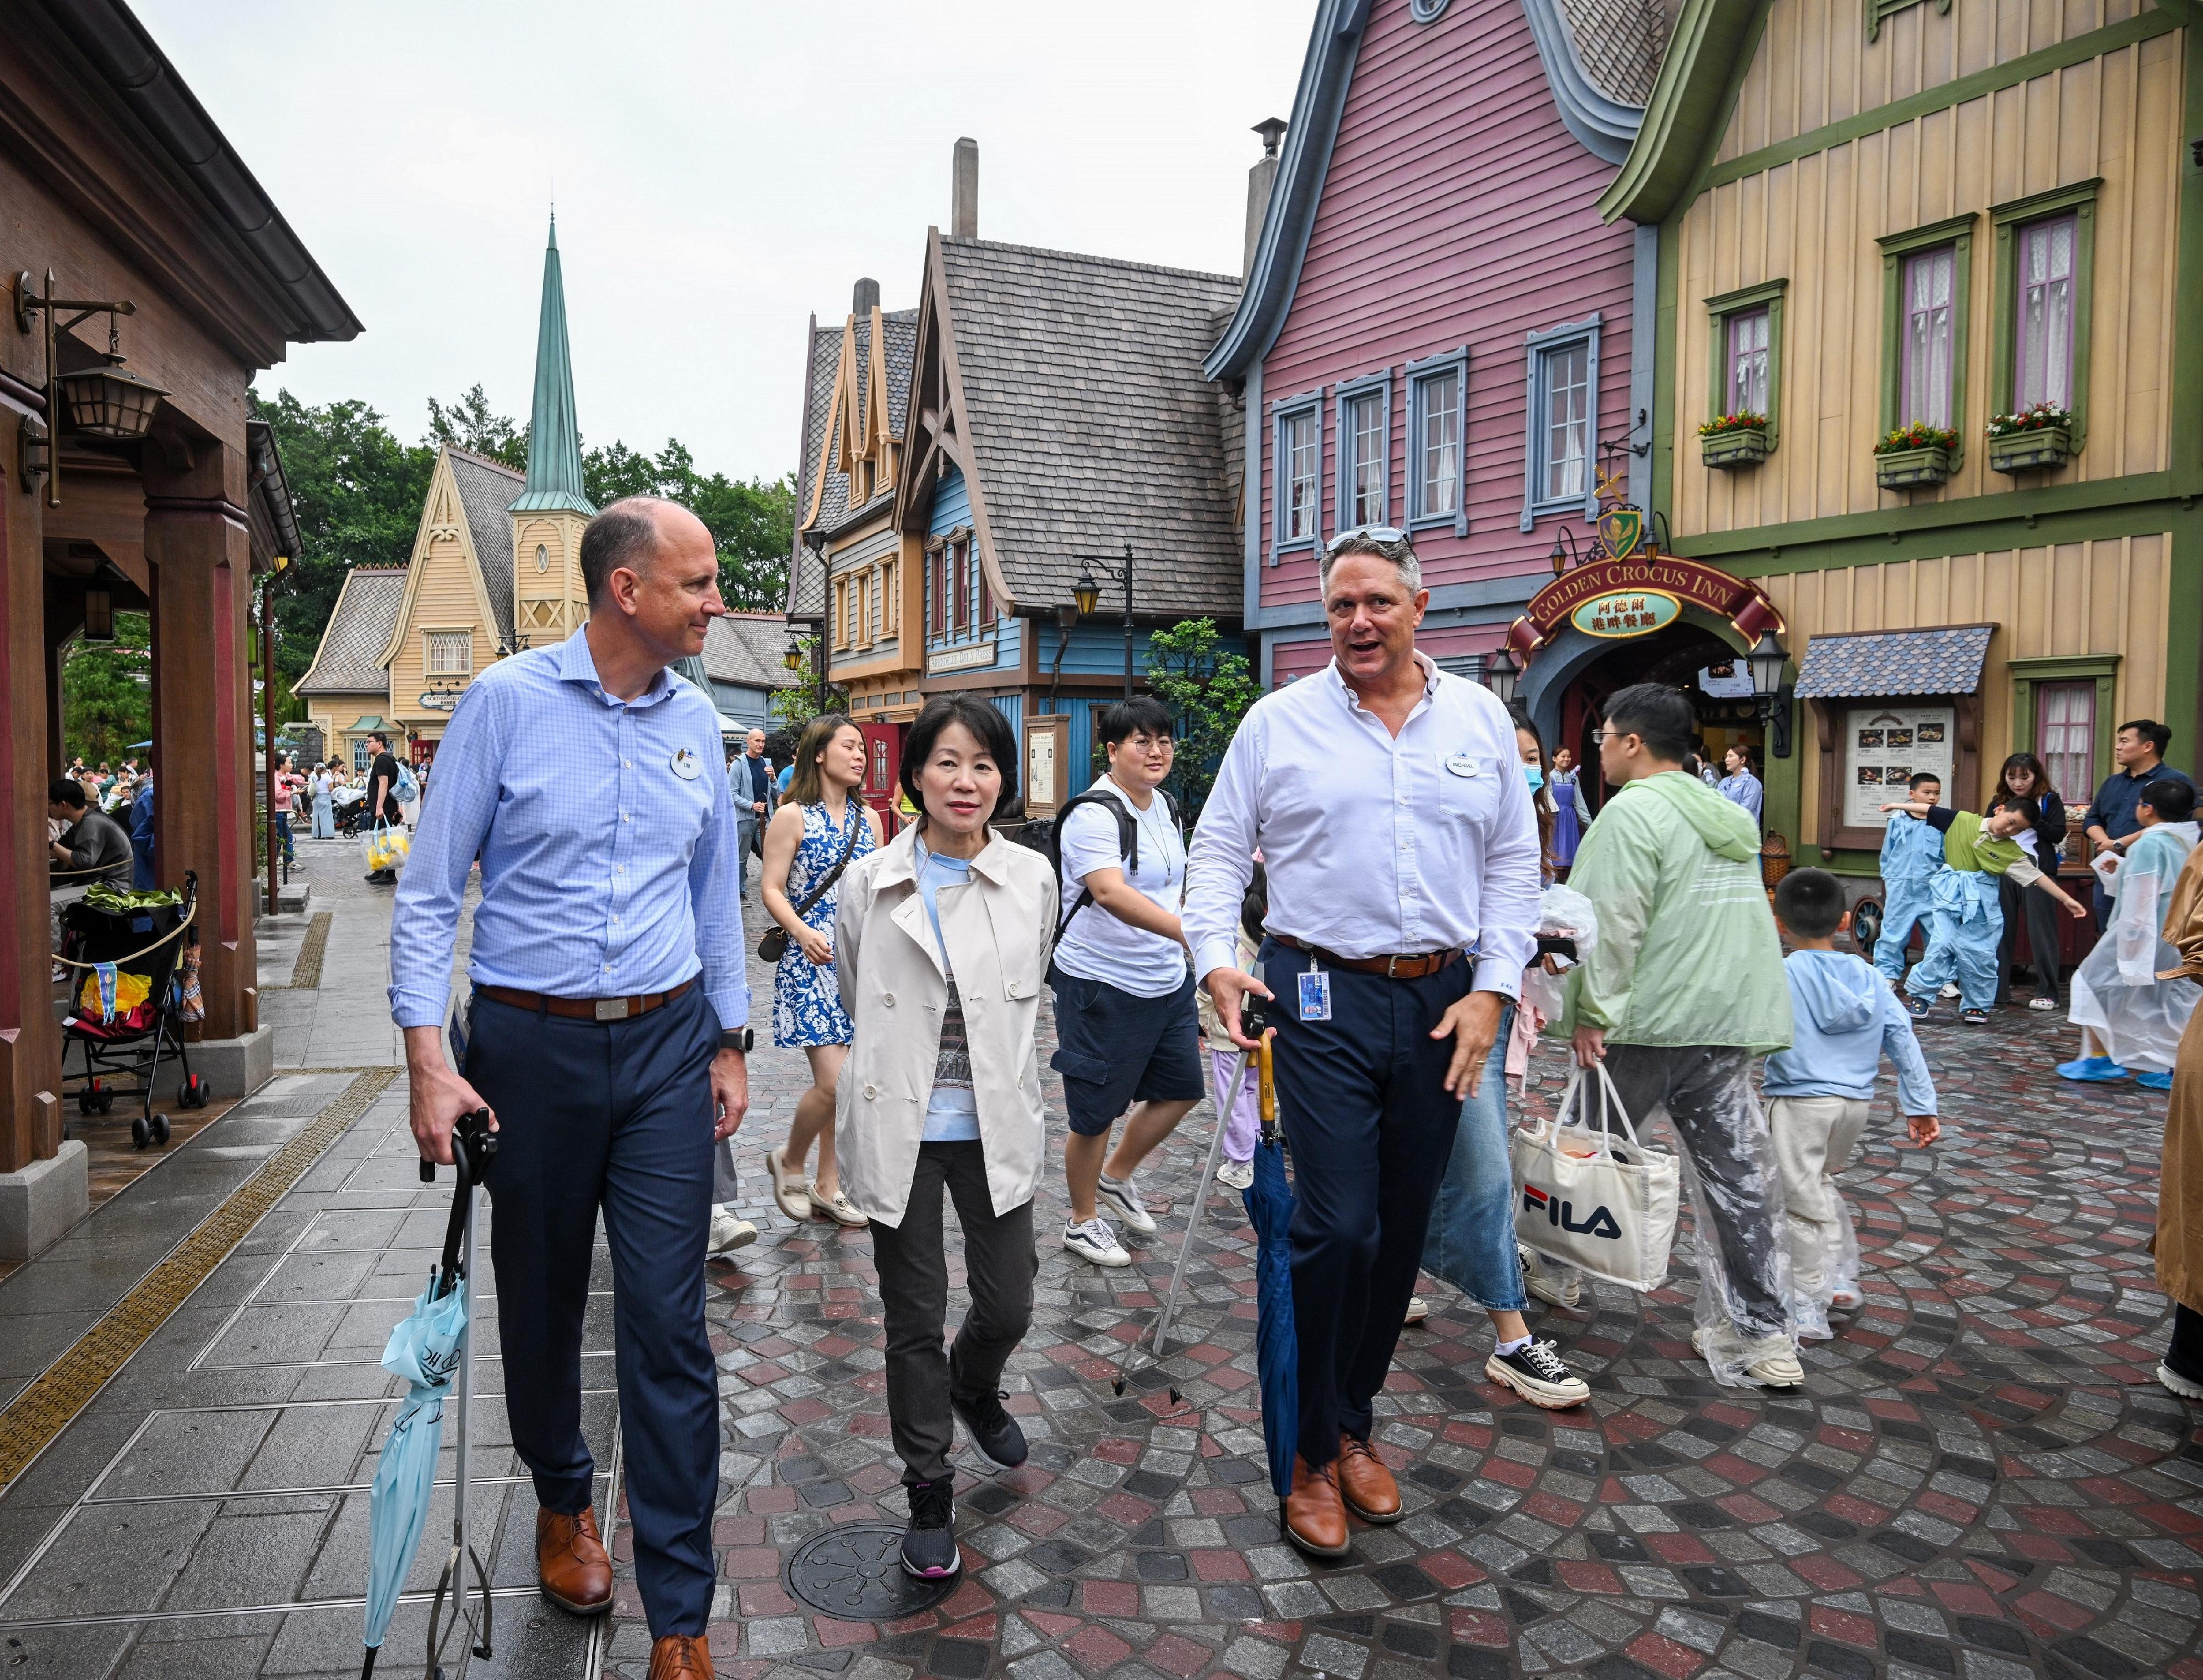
x=554 y=436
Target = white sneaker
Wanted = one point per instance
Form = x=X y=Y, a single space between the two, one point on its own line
x=1095 y=1239
x=2175 y=1383
x=1950 y=989
x=1772 y=1363
x=1418 y=1309
x=1124 y=1195
x=2044 y=1003
x=1537 y=1374
x=1559 y=1287
x=729 y=1231
x=1236 y=1174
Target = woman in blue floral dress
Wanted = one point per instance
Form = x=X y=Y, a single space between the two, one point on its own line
x=807 y=838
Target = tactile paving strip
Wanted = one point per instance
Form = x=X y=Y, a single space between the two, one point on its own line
x=45 y=1409
x=306 y=967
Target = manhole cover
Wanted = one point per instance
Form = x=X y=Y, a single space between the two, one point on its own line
x=855 y=1572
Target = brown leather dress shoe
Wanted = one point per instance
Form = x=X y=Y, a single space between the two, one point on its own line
x=1365 y=1484
x=571 y=1567
x=680 y=1657
x=1315 y=1520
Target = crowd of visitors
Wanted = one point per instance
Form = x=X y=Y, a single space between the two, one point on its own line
x=1404 y=958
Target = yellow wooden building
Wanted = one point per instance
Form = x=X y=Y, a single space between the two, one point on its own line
x=1927 y=215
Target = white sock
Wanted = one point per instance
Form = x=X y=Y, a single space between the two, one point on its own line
x=1504 y=1348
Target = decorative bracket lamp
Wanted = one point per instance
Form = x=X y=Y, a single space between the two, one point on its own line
x=107 y=401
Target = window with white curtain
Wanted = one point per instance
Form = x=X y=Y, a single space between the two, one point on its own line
x=1926 y=384
x=451 y=652
x=2043 y=369
x=1299 y=453
x=1362 y=460
x=1564 y=421
x=1435 y=445
x=1747 y=362
x=2065 y=737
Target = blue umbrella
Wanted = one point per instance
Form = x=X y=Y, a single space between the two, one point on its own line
x=1269 y=1201
x=429 y=1349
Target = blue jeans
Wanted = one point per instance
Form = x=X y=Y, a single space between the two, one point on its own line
x=1471 y=1240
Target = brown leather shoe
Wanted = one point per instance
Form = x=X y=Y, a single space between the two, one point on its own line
x=1313 y=1519
x=680 y=1657
x=571 y=1567
x=1365 y=1484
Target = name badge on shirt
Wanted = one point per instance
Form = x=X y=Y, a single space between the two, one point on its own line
x=686 y=766
x=1315 y=995
x=1461 y=764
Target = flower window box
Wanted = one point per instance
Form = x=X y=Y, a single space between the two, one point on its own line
x=2032 y=440
x=1914 y=455
x=1735 y=441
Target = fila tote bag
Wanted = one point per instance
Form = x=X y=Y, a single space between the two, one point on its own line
x=1603 y=1203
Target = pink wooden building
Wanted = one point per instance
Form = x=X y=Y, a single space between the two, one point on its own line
x=1437 y=331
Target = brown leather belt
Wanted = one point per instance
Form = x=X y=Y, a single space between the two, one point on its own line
x=585 y=1008
x=1391 y=967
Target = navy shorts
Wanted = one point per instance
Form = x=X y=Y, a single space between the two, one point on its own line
x=1115 y=1049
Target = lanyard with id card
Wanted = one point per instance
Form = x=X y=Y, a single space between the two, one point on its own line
x=1314 y=993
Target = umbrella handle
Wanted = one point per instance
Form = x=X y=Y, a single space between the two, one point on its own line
x=1267 y=1087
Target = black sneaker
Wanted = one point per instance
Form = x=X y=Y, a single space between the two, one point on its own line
x=994 y=1431
x=928 y=1544
x=1538 y=1374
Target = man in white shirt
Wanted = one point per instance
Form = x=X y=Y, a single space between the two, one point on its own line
x=1126 y=1024
x=1397 y=835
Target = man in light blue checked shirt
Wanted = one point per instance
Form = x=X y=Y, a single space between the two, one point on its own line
x=606 y=1032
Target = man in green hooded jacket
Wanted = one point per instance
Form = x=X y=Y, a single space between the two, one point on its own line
x=1682 y=989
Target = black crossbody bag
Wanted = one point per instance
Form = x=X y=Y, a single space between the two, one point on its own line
x=773 y=945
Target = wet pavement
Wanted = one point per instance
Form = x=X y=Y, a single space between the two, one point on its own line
x=1979 y=1479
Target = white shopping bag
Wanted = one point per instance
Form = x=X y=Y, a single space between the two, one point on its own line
x=1602 y=1204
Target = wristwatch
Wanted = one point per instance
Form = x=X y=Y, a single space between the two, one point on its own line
x=738 y=1041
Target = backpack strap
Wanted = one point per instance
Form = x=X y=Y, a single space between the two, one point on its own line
x=1128 y=846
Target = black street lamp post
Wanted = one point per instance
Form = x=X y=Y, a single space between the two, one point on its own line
x=1088 y=594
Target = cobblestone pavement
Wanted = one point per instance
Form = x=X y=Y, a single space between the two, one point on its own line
x=1980 y=1478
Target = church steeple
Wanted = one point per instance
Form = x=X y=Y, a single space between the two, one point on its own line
x=554 y=436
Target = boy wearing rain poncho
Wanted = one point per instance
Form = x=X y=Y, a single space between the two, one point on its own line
x=1966 y=931
x=2130 y=1020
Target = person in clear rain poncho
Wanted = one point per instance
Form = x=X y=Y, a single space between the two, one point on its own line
x=2130 y=1020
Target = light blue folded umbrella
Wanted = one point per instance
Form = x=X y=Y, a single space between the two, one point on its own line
x=425 y=1349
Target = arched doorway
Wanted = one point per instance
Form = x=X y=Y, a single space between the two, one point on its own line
x=1568 y=684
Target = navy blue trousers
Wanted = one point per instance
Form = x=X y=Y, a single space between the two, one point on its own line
x=617 y=1116
x=1363 y=1102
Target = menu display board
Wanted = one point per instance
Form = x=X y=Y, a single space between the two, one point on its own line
x=1886 y=745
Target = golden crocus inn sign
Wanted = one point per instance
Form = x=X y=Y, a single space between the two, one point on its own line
x=1623 y=586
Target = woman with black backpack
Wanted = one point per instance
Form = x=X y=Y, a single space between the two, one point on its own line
x=1126 y=1028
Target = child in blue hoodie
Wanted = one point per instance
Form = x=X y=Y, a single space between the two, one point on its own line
x=1821 y=1088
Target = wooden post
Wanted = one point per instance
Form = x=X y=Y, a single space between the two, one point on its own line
x=30 y=1042
x=200 y=546
x=267 y=725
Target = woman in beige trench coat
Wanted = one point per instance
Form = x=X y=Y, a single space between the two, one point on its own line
x=2178 y=1244
x=940 y=941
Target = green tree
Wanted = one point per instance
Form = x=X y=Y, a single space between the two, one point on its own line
x=470 y=424
x=752 y=523
x=794 y=708
x=1208 y=686
x=358 y=492
x=107 y=700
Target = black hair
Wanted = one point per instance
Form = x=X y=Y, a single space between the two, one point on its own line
x=622 y=535
x=1143 y=714
x=1810 y=903
x=66 y=790
x=1656 y=715
x=377 y=735
x=1919 y=777
x=2173 y=802
x=2159 y=737
x=989 y=727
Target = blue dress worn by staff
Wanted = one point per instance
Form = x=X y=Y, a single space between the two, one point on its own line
x=605 y=1030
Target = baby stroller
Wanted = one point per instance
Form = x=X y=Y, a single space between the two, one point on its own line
x=126 y=1002
x=348 y=810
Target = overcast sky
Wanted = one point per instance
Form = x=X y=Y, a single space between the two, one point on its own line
x=723 y=170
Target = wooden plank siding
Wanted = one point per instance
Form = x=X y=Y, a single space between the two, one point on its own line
x=1456 y=209
x=2112 y=595
x=1815 y=222
x=1816 y=66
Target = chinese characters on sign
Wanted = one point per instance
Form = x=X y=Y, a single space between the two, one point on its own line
x=1632 y=612
x=1884 y=746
